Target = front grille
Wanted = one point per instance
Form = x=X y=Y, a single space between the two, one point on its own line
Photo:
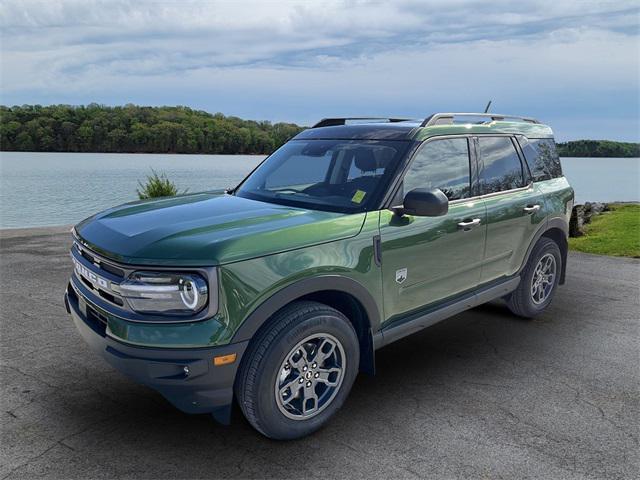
x=85 y=254
x=104 y=265
x=110 y=275
x=111 y=298
x=113 y=270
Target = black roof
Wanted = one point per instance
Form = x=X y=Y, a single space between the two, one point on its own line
x=362 y=131
x=403 y=129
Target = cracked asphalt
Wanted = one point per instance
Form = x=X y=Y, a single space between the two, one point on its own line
x=481 y=395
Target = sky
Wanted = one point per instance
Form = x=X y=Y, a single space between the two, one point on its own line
x=572 y=64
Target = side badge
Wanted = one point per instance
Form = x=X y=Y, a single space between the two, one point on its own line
x=401 y=275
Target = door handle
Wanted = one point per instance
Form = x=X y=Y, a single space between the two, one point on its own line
x=529 y=209
x=467 y=225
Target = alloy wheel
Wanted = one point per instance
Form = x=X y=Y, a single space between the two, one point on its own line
x=543 y=280
x=310 y=376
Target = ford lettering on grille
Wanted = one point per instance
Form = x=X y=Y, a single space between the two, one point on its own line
x=94 y=279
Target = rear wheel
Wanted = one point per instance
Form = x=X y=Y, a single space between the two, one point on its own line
x=298 y=371
x=539 y=280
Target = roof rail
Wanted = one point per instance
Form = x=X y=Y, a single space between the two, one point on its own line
x=447 y=118
x=332 y=122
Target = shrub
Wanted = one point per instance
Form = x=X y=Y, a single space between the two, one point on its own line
x=157 y=186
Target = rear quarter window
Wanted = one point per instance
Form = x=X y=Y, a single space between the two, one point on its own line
x=500 y=166
x=542 y=157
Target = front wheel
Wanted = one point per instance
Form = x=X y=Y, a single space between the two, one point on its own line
x=539 y=280
x=298 y=371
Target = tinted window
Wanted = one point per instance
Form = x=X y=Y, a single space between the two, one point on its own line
x=542 y=157
x=442 y=164
x=336 y=175
x=501 y=168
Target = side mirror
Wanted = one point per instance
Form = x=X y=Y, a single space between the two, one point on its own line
x=422 y=202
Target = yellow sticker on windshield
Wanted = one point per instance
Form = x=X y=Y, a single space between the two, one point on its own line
x=358 y=196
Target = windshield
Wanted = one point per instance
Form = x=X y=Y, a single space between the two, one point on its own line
x=335 y=175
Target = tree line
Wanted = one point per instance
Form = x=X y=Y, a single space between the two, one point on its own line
x=135 y=129
x=598 y=148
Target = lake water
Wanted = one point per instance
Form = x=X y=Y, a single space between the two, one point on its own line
x=39 y=189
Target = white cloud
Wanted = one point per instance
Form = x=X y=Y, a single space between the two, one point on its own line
x=344 y=56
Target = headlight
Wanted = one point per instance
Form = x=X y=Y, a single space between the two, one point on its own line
x=165 y=293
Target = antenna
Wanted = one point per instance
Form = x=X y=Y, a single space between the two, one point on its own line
x=486 y=109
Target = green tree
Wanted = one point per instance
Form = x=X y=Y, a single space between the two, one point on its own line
x=598 y=148
x=131 y=128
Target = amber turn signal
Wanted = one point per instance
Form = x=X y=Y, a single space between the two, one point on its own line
x=224 y=359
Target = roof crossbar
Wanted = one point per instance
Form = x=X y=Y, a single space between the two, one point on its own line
x=447 y=118
x=332 y=122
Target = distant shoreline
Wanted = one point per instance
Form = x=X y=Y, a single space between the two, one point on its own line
x=136 y=129
x=132 y=129
x=598 y=149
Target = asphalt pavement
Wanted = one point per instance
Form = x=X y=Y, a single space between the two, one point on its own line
x=481 y=395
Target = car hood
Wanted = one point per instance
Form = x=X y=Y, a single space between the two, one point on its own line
x=209 y=229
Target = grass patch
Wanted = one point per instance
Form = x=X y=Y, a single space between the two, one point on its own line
x=612 y=233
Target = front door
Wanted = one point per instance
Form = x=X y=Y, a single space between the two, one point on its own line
x=515 y=207
x=426 y=260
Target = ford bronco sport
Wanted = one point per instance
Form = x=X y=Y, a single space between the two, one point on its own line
x=354 y=234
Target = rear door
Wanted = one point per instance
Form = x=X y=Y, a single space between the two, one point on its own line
x=515 y=207
x=428 y=259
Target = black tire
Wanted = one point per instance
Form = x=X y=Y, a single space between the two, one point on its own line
x=261 y=366
x=521 y=301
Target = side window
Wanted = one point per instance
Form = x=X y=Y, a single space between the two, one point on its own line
x=501 y=168
x=542 y=157
x=442 y=164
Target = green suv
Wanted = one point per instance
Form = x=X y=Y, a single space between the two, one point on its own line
x=354 y=234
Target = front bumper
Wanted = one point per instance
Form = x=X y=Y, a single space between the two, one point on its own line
x=201 y=387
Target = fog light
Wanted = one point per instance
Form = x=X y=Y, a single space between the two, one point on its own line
x=186 y=370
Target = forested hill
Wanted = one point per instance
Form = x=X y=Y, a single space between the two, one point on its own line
x=598 y=148
x=134 y=129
